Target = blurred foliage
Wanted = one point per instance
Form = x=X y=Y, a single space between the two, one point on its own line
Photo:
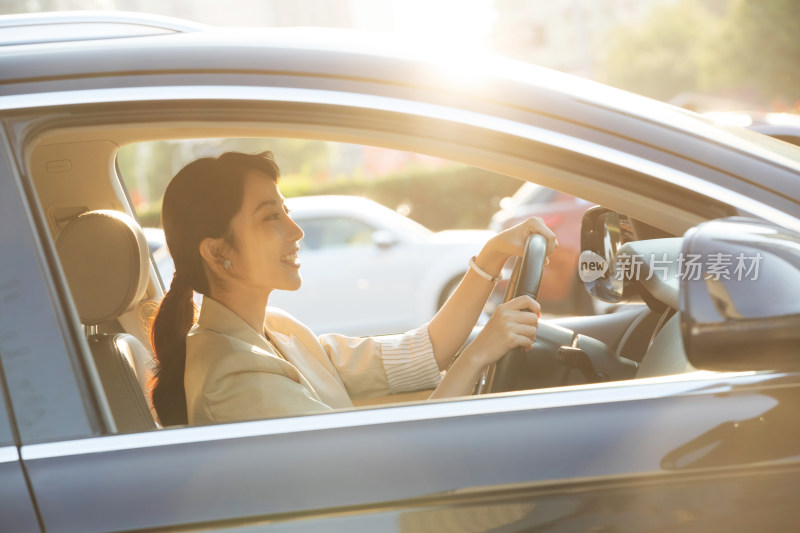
x=148 y=167
x=742 y=48
x=664 y=55
x=438 y=194
x=759 y=47
x=456 y=197
x=150 y=217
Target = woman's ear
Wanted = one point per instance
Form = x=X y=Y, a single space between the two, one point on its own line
x=212 y=252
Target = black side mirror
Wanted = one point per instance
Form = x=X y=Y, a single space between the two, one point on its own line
x=740 y=296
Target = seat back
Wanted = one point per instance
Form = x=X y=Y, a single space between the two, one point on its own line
x=105 y=258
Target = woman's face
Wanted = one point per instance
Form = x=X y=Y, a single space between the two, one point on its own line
x=265 y=256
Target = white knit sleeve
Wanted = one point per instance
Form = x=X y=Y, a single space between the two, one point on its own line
x=408 y=361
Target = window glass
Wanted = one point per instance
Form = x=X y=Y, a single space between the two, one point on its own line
x=426 y=209
x=341 y=195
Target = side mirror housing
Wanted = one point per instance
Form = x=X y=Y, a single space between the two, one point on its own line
x=740 y=296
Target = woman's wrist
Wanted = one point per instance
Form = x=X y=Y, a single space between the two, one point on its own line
x=490 y=262
x=473 y=360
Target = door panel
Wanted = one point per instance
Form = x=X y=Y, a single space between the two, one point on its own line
x=723 y=504
x=580 y=447
x=16 y=509
x=17 y=513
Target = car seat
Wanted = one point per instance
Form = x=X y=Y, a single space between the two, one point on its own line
x=106 y=260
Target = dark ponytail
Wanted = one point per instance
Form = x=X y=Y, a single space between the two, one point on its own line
x=199 y=203
x=174 y=319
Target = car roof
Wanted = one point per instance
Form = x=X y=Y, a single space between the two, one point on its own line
x=66 y=26
x=338 y=56
x=374 y=74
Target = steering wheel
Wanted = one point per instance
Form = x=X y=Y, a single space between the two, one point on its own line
x=525 y=279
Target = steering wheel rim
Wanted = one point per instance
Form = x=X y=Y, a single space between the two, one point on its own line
x=525 y=279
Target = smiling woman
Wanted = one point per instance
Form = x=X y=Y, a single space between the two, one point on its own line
x=200 y=204
x=233 y=242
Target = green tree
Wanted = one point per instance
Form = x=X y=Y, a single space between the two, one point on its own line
x=746 y=49
x=759 y=49
x=665 y=54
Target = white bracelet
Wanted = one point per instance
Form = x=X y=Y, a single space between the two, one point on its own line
x=482 y=273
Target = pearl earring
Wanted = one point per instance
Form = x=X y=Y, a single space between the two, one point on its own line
x=226 y=264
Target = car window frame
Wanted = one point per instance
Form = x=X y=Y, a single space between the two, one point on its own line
x=656 y=172
x=9 y=438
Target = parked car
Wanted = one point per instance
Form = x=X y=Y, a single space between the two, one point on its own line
x=679 y=415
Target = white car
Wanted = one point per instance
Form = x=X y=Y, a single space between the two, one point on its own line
x=369 y=270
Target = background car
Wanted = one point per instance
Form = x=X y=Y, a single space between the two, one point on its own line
x=369 y=270
x=681 y=415
x=562 y=292
x=783 y=126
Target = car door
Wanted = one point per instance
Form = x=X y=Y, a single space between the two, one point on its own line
x=660 y=453
x=17 y=511
x=708 y=452
x=656 y=456
x=20 y=312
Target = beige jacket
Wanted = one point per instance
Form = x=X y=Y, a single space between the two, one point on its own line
x=232 y=372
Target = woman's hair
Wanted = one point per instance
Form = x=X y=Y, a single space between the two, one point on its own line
x=199 y=203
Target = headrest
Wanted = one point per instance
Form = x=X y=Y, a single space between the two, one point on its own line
x=105 y=257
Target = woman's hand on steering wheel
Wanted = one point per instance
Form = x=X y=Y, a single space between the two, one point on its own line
x=512 y=325
x=511 y=242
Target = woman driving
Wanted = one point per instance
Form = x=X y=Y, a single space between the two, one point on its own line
x=232 y=240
